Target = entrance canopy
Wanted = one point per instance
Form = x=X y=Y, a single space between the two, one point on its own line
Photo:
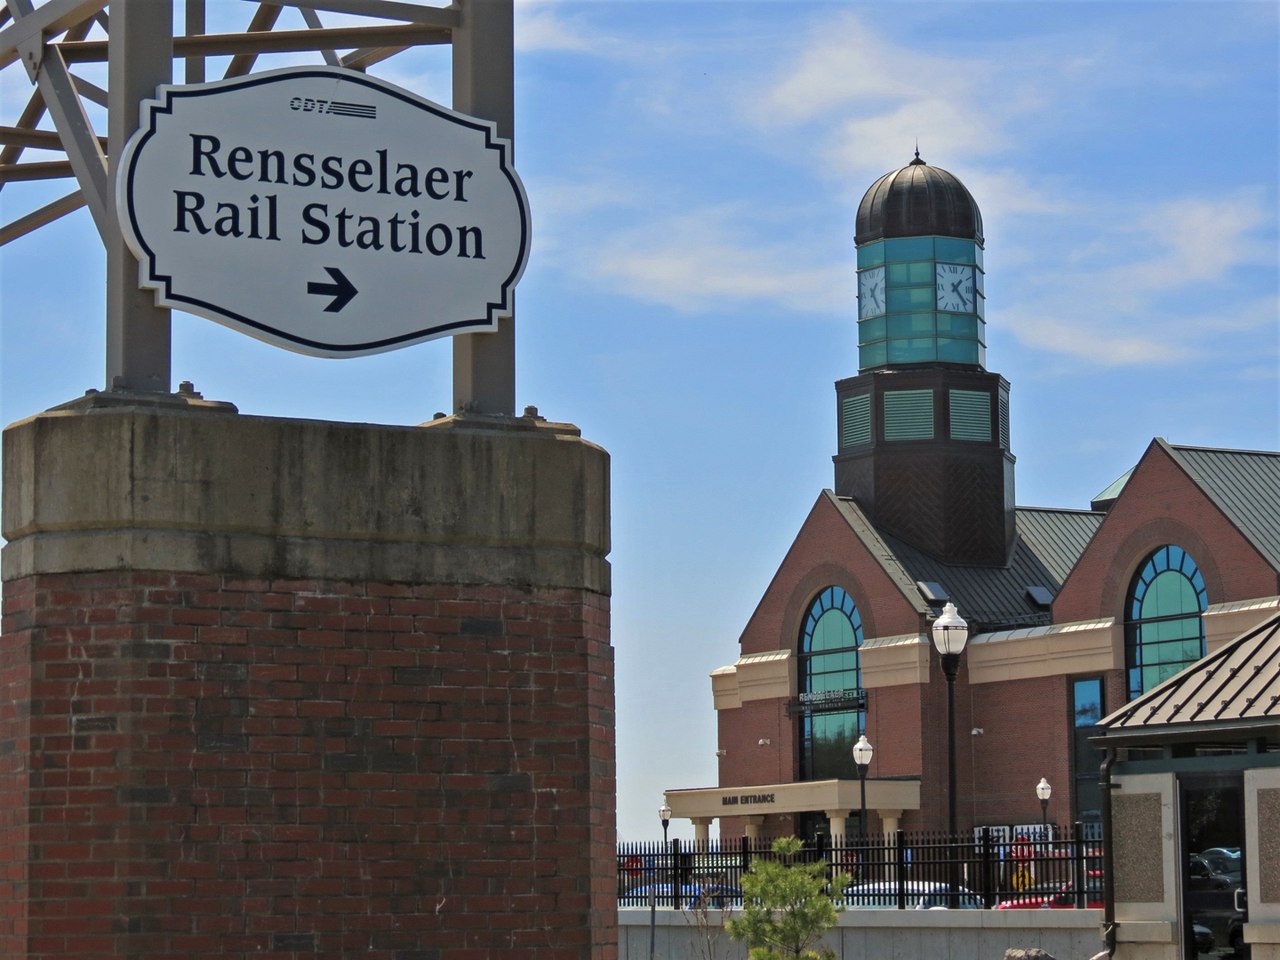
x=836 y=798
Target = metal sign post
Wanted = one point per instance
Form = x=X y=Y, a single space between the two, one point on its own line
x=484 y=379
x=55 y=36
x=139 y=334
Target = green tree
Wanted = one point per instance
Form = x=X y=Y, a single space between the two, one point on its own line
x=785 y=907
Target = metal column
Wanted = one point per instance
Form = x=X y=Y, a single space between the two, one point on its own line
x=140 y=60
x=484 y=379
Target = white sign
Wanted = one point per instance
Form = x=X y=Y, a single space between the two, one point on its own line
x=323 y=210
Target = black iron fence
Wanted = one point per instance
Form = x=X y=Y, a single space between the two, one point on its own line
x=995 y=867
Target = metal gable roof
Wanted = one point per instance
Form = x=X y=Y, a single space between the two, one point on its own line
x=991 y=598
x=1235 y=689
x=1245 y=485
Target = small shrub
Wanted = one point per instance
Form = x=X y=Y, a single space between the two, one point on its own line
x=785 y=907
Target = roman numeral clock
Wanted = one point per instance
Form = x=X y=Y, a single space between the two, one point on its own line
x=923 y=427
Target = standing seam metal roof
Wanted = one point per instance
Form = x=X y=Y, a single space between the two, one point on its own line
x=1245 y=485
x=1236 y=686
x=992 y=598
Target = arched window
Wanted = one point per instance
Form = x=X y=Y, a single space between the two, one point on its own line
x=1164 y=629
x=830 y=702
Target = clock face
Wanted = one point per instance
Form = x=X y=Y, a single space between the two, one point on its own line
x=871 y=292
x=955 y=288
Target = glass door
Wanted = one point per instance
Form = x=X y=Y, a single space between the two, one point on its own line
x=1213 y=900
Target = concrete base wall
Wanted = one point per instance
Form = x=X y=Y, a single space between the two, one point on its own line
x=867 y=934
x=281 y=688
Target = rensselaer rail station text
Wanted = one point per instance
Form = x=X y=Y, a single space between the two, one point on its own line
x=405 y=231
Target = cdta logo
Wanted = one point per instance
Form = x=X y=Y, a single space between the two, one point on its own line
x=339 y=107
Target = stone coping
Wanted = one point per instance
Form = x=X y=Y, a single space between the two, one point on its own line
x=202 y=488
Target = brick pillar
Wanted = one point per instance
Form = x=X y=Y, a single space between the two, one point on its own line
x=295 y=689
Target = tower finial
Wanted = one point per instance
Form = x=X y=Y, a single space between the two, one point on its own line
x=917 y=161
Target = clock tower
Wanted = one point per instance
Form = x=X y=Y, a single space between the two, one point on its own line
x=923 y=429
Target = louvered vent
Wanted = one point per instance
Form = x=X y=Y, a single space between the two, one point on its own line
x=855 y=420
x=1004 y=420
x=908 y=415
x=970 y=415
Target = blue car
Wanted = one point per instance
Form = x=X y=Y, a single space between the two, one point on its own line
x=693 y=896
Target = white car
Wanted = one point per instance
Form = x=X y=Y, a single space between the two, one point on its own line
x=920 y=895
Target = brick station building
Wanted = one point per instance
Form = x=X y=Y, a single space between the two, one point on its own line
x=1071 y=613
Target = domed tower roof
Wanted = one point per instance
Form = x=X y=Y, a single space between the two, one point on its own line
x=917 y=201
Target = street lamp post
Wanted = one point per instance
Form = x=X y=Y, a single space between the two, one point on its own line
x=1044 y=791
x=862 y=751
x=664 y=814
x=950 y=634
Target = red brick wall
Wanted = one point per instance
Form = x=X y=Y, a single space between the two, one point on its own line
x=826 y=552
x=1026 y=736
x=746 y=759
x=249 y=768
x=1161 y=505
x=899 y=720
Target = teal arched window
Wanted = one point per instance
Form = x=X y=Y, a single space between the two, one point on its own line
x=1164 y=623
x=830 y=679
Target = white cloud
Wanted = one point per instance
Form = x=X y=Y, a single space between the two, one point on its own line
x=1080 y=335
x=843 y=64
x=543 y=26
x=1154 y=286
x=697 y=260
x=1200 y=239
x=869 y=100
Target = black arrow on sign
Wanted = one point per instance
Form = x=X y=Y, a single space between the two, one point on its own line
x=342 y=290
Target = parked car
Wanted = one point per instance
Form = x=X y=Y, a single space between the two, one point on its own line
x=1202 y=876
x=1203 y=936
x=1235 y=935
x=1232 y=852
x=1055 y=896
x=693 y=896
x=1223 y=860
x=920 y=895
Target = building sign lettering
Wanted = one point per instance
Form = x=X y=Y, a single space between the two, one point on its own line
x=826 y=701
x=746 y=798
x=323 y=210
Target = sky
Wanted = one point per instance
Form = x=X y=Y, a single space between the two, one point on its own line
x=693 y=172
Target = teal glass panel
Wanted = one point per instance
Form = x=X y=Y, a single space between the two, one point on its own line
x=963 y=326
x=1164 y=629
x=913 y=351
x=955 y=250
x=920 y=271
x=827 y=746
x=832 y=631
x=909 y=298
x=873 y=355
x=904 y=325
x=871 y=255
x=958 y=351
x=908 y=248
x=871 y=329
x=1087 y=709
x=829 y=661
